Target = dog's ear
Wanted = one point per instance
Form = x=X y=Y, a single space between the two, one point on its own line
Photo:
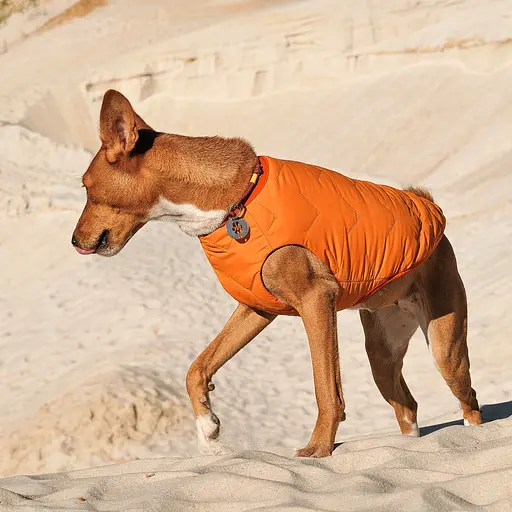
x=118 y=125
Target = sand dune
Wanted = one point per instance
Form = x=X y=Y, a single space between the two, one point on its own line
x=457 y=468
x=112 y=414
x=93 y=353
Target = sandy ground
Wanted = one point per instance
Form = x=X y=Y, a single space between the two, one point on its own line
x=385 y=473
x=94 y=352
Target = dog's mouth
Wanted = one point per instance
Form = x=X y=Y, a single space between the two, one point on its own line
x=84 y=251
x=101 y=244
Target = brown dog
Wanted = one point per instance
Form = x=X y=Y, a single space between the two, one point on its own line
x=140 y=175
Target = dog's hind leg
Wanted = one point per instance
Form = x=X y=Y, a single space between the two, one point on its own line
x=443 y=319
x=387 y=335
x=241 y=328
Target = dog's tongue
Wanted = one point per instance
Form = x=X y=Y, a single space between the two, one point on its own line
x=85 y=251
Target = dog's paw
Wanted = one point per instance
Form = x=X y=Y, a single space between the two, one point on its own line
x=472 y=418
x=208 y=426
x=410 y=428
x=315 y=450
x=208 y=429
x=414 y=431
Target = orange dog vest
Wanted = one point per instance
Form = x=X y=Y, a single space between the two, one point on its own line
x=367 y=234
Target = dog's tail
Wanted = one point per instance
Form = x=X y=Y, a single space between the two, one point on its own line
x=421 y=192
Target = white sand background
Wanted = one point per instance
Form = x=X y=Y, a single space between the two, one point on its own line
x=94 y=351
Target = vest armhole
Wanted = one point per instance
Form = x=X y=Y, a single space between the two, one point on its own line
x=282 y=304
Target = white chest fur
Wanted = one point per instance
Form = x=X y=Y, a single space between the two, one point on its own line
x=190 y=219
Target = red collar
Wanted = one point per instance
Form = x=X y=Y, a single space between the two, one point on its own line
x=258 y=179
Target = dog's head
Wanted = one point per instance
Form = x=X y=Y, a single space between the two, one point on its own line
x=120 y=188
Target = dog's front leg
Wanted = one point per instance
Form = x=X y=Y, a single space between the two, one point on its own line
x=300 y=279
x=241 y=328
x=318 y=312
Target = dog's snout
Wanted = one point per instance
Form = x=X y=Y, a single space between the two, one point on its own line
x=101 y=242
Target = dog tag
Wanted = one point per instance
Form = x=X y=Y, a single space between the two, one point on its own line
x=237 y=228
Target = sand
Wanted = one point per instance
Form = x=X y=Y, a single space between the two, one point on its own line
x=452 y=469
x=94 y=351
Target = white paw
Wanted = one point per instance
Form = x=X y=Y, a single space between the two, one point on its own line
x=415 y=431
x=208 y=427
x=466 y=423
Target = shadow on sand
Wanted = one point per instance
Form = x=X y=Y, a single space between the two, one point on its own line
x=489 y=413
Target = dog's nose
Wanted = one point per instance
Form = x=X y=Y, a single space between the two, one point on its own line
x=76 y=245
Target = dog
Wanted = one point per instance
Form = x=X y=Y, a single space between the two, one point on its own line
x=273 y=230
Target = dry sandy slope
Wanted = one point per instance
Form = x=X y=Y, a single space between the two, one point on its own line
x=403 y=92
x=452 y=469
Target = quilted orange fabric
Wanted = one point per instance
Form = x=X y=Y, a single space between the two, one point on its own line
x=367 y=234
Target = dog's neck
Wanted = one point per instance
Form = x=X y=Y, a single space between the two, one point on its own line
x=201 y=178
